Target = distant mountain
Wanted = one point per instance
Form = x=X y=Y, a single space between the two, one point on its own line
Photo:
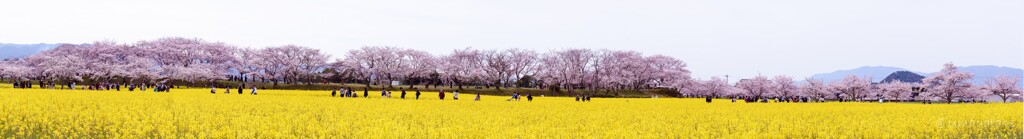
x=877 y=73
x=10 y=50
x=981 y=73
x=903 y=76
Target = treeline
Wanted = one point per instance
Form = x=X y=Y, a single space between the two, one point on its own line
x=196 y=62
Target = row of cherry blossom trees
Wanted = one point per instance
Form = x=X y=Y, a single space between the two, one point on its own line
x=948 y=85
x=167 y=59
x=570 y=69
x=190 y=60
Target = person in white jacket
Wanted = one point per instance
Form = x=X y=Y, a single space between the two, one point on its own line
x=455 y=95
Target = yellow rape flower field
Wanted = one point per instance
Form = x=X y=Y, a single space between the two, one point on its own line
x=195 y=113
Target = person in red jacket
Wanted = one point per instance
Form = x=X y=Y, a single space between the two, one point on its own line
x=441 y=94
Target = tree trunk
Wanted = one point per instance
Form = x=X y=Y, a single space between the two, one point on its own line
x=498 y=85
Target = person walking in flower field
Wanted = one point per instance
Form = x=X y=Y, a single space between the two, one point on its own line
x=417 y=93
x=440 y=94
x=455 y=95
x=403 y=92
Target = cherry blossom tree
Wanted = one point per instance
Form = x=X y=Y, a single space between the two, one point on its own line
x=376 y=63
x=566 y=68
x=853 y=87
x=277 y=61
x=756 y=87
x=416 y=64
x=248 y=63
x=16 y=70
x=815 y=88
x=621 y=70
x=178 y=58
x=948 y=84
x=497 y=67
x=63 y=63
x=666 y=71
x=1004 y=86
x=784 y=86
x=463 y=65
x=310 y=62
x=107 y=60
x=896 y=90
x=522 y=63
x=975 y=94
x=714 y=87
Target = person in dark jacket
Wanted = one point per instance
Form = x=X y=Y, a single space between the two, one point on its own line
x=403 y=92
x=348 y=92
x=417 y=93
x=529 y=97
x=334 y=92
x=366 y=92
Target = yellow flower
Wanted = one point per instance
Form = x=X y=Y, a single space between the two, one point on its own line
x=194 y=113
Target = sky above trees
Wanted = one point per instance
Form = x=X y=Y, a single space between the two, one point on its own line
x=740 y=38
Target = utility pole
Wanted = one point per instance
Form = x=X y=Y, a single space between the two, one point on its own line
x=727 y=79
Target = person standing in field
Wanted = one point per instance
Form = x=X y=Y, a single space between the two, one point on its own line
x=348 y=92
x=455 y=95
x=403 y=92
x=529 y=97
x=477 y=97
x=366 y=92
x=417 y=93
x=440 y=94
x=333 y=92
x=213 y=90
x=341 y=92
x=253 y=90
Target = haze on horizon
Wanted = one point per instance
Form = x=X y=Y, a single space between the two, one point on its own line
x=714 y=37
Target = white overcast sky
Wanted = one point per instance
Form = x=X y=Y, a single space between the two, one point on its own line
x=740 y=38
